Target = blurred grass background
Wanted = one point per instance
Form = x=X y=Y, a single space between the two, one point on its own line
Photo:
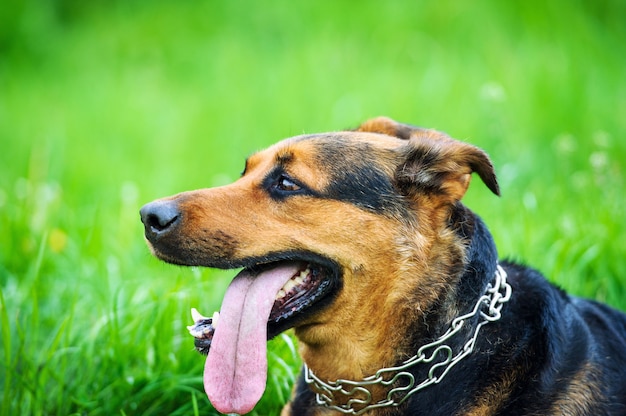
x=106 y=105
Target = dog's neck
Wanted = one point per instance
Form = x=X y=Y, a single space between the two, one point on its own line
x=472 y=282
x=478 y=296
x=482 y=258
x=436 y=359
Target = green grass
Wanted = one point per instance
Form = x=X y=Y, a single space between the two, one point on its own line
x=107 y=105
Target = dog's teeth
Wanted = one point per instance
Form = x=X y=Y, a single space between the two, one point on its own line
x=216 y=317
x=281 y=293
x=289 y=285
x=197 y=316
x=194 y=331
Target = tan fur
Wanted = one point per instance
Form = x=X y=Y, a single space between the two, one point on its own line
x=492 y=398
x=581 y=394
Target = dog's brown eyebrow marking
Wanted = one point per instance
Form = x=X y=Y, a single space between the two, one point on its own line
x=283 y=158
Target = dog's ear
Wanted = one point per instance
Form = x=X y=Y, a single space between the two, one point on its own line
x=432 y=162
x=385 y=125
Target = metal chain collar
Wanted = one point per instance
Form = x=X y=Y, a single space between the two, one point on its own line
x=356 y=398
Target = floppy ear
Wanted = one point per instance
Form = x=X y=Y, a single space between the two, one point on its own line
x=432 y=162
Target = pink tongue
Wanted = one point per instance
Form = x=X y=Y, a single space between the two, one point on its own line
x=235 y=372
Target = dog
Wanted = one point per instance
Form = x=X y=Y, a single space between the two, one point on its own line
x=359 y=242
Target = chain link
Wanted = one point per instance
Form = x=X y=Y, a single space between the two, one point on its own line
x=355 y=396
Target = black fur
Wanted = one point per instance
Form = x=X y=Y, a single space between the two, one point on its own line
x=364 y=183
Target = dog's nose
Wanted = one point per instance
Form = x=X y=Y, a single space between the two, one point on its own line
x=159 y=218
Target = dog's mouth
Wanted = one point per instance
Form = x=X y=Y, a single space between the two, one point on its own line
x=292 y=302
x=262 y=301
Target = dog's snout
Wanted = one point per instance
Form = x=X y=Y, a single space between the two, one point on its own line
x=159 y=217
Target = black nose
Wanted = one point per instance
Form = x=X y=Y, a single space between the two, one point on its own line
x=159 y=217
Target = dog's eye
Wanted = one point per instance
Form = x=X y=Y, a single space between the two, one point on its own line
x=286 y=184
x=280 y=185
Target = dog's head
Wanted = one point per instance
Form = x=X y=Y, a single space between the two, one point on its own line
x=338 y=235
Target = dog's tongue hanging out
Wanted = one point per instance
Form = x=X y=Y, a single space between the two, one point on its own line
x=235 y=372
